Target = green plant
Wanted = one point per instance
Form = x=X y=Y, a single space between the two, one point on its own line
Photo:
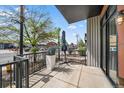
x=82 y=51
x=37 y=26
x=34 y=49
x=51 y=51
x=81 y=43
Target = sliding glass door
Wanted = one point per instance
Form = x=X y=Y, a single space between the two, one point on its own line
x=112 y=49
x=109 y=43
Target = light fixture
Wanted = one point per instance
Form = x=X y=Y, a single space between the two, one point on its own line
x=120 y=17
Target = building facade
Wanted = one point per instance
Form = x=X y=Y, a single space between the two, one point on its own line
x=106 y=44
x=105 y=37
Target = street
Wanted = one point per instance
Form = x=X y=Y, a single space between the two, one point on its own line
x=6 y=56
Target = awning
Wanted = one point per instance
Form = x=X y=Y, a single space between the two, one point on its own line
x=74 y=13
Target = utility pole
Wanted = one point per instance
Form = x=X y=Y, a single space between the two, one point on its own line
x=19 y=72
x=21 y=28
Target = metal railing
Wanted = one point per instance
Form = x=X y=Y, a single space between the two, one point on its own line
x=15 y=74
x=37 y=61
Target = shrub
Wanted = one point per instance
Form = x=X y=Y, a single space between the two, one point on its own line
x=51 y=51
x=82 y=51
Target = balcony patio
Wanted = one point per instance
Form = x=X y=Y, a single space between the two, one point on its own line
x=72 y=75
x=75 y=74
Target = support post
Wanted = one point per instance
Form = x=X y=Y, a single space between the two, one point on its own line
x=59 y=45
x=21 y=28
x=0 y=77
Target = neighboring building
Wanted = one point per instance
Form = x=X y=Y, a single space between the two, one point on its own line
x=51 y=44
x=105 y=38
x=5 y=45
x=1 y=46
x=42 y=46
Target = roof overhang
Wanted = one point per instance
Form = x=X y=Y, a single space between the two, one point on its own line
x=74 y=13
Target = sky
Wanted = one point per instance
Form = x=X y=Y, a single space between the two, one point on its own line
x=70 y=29
x=58 y=20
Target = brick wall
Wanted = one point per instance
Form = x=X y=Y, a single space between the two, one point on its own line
x=120 y=29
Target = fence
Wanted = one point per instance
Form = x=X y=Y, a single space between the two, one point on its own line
x=15 y=74
x=36 y=61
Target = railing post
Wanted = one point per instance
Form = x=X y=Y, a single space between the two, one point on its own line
x=0 y=77
x=16 y=76
x=11 y=76
x=27 y=73
x=20 y=74
x=14 y=71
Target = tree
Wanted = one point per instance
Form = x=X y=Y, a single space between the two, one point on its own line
x=37 y=26
x=81 y=43
x=82 y=48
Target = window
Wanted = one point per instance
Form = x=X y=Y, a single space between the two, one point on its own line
x=109 y=43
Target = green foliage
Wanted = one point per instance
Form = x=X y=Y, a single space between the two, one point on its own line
x=82 y=51
x=81 y=48
x=51 y=51
x=81 y=44
x=37 y=26
x=34 y=49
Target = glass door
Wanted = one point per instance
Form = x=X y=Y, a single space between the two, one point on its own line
x=109 y=44
x=112 y=50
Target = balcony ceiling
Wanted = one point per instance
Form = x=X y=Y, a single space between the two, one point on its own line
x=74 y=13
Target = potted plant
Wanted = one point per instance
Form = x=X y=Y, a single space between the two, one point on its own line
x=51 y=58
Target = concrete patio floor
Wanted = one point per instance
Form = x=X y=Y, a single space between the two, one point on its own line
x=73 y=75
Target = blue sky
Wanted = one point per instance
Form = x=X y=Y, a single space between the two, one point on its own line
x=71 y=29
x=59 y=21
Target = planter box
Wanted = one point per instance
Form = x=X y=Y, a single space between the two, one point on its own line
x=50 y=61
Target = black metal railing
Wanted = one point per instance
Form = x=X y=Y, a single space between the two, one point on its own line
x=15 y=74
x=37 y=61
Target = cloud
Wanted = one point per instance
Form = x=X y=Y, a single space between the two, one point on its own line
x=72 y=27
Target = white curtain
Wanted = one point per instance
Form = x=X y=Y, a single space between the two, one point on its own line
x=93 y=41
